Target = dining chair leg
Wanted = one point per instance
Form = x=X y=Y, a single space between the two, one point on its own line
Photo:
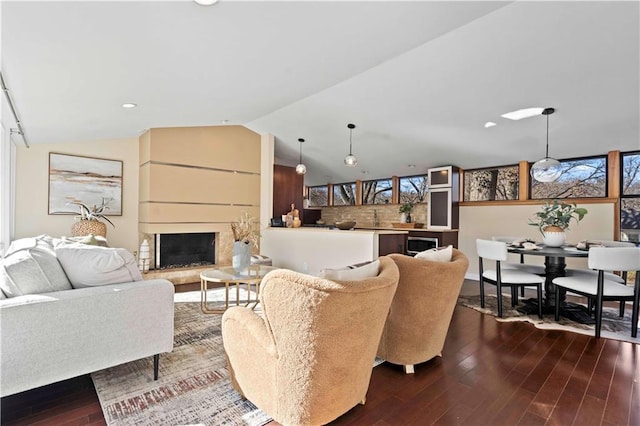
x=622 y=305
x=514 y=296
x=557 y=307
x=522 y=291
x=634 y=313
x=481 y=292
x=599 y=303
x=539 y=288
x=499 y=290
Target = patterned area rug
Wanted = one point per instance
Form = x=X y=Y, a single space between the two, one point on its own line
x=613 y=327
x=193 y=386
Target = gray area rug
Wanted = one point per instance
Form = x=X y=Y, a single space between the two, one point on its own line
x=613 y=327
x=193 y=386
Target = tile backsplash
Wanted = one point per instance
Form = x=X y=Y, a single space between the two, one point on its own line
x=364 y=215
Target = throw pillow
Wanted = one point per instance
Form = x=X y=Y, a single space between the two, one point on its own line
x=442 y=254
x=31 y=267
x=368 y=270
x=88 y=266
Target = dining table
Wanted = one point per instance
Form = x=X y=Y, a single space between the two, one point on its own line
x=554 y=266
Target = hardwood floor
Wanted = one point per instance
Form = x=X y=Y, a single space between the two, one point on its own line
x=491 y=373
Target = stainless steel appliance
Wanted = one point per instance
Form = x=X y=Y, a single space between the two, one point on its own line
x=417 y=244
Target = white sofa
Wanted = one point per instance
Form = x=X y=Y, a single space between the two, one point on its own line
x=55 y=333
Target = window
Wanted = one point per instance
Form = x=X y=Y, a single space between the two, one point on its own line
x=630 y=197
x=344 y=194
x=377 y=191
x=318 y=196
x=413 y=189
x=497 y=183
x=581 y=178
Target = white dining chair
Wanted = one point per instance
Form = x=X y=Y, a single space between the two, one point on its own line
x=608 y=275
x=525 y=267
x=597 y=287
x=501 y=277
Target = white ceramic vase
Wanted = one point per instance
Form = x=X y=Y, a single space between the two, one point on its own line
x=554 y=239
x=403 y=217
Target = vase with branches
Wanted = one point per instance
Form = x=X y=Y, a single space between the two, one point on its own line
x=405 y=212
x=245 y=235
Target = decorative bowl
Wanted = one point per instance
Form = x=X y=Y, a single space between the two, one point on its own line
x=345 y=224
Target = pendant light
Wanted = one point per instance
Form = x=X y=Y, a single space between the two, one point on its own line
x=350 y=160
x=301 y=168
x=548 y=169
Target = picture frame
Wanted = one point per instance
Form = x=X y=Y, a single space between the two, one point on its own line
x=88 y=180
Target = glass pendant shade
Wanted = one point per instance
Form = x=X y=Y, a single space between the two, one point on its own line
x=350 y=160
x=548 y=169
x=301 y=168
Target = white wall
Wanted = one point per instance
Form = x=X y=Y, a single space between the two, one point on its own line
x=486 y=221
x=32 y=189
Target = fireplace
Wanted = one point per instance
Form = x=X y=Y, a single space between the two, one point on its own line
x=182 y=250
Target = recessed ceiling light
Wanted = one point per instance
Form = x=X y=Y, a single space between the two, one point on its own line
x=523 y=113
x=364 y=172
x=224 y=121
x=489 y=124
x=129 y=105
x=206 y=2
x=411 y=166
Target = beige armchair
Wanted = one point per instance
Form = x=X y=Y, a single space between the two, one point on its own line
x=309 y=360
x=422 y=308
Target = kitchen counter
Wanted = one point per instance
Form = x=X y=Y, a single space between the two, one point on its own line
x=309 y=250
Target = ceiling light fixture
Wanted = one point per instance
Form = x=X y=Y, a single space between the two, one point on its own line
x=350 y=160
x=523 y=113
x=129 y=105
x=489 y=124
x=301 y=168
x=206 y=2
x=548 y=169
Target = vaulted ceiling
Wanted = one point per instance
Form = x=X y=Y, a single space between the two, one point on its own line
x=419 y=79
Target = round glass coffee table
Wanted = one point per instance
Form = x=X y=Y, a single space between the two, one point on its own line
x=230 y=277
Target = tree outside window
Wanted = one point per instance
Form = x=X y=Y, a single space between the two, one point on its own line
x=318 y=196
x=414 y=189
x=377 y=191
x=581 y=178
x=344 y=194
x=491 y=184
x=630 y=197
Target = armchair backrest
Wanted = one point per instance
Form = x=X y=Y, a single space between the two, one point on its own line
x=422 y=308
x=326 y=334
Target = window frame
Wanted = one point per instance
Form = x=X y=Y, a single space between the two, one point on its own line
x=479 y=169
x=562 y=160
x=365 y=203
x=355 y=194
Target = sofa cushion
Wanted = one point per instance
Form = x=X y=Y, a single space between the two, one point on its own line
x=88 y=266
x=368 y=270
x=442 y=254
x=31 y=267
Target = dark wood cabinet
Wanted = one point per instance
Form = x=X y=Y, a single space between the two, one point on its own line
x=288 y=187
x=445 y=238
x=391 y=243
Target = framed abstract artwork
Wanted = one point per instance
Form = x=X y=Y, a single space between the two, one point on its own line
x=88 y=180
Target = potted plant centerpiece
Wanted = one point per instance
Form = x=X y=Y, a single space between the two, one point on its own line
x=245 y=235
x=554 y=219
x=90 y=219
x=405 y=212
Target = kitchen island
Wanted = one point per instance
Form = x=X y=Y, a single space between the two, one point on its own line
x=309 y=250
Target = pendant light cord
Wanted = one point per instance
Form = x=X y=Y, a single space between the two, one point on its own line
x=547 y=154
x=350 y=134
x=300 y=140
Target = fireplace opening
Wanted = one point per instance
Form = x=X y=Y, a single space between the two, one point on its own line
x=181 y=250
